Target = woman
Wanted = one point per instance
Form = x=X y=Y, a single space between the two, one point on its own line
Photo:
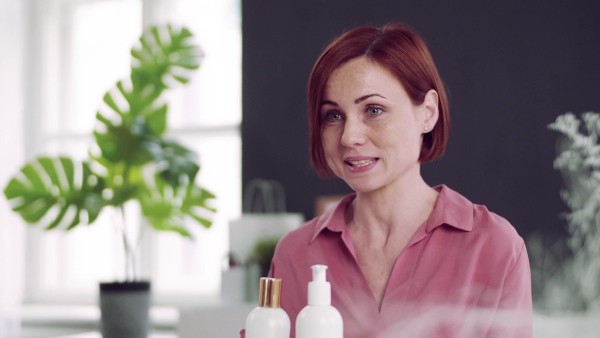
x=405 y=259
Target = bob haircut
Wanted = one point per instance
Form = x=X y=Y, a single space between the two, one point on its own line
x=401 y=51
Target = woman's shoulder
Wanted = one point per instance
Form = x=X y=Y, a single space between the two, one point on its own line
x=494 y=226
x=483 y=215
x=499 y=241
x=303 y=236
x=489 y=239
x=296 y=242
x=480 y=221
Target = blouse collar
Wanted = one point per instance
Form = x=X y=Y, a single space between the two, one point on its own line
x=451 y=209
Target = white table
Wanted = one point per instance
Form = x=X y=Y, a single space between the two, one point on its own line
x=98 y=335
x=222 y=321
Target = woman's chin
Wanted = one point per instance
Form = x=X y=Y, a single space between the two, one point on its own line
x=362 y=186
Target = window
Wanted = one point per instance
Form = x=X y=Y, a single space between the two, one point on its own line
x=82 y=49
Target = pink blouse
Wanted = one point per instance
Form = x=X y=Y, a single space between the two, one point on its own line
x=464 y=273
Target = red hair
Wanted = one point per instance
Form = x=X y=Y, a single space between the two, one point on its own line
x=401 y=51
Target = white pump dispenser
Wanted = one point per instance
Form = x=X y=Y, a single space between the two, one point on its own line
x=319 y=319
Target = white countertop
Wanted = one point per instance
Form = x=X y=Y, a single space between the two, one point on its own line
x=98 y=335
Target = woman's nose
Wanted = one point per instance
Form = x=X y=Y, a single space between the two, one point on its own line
x=354 y=133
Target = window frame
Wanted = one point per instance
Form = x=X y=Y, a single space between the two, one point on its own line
x=49 y=28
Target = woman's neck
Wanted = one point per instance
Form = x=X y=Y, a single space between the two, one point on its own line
x=391 y=211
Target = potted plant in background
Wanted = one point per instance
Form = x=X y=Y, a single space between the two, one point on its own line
x=566 y=274
x=262 y=253
x=130 y=162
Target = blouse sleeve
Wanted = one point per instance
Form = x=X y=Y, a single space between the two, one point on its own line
x=513 y=318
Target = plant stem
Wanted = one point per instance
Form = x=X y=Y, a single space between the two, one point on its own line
x=130 y=249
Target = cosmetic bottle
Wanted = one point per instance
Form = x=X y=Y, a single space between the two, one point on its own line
x=319 y=319
x=268 y=320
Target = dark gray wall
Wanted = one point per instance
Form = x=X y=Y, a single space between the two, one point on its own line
x=510 y=67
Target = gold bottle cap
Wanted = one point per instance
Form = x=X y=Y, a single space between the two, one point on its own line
x=269 y=294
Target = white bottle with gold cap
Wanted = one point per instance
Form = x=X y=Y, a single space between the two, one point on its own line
x=268 y=320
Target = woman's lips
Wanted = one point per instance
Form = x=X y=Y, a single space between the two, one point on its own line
x=361 y=164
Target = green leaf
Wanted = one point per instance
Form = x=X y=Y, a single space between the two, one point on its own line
x=119 y=143
x=156 y=120
x=163 y=54
x=56 y=183
x=174 y=161
x=166 y=207
x=196 y=200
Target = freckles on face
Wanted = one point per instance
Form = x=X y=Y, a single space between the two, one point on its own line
x=370 y=129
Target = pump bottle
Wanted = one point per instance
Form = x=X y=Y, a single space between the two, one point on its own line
x=268 y=320
x=319 y=319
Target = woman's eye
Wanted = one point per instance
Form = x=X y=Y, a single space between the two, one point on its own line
x=374 y=111
x=333 y=116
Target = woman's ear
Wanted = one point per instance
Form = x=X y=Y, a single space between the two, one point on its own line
x=429 y=110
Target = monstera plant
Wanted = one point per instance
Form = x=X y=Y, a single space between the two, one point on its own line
x=131 y=160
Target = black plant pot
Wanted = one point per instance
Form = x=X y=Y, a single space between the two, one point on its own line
x=124 y=308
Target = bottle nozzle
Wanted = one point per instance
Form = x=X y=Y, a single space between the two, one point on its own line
x=318 y=272
x=319 y=290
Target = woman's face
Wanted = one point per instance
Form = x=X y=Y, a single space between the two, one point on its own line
x=371 y=131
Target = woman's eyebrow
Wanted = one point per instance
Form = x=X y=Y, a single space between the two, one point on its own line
x=362 y=98
x=357 y=101
x=324 y=102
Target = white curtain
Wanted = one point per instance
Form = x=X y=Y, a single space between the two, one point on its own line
x=12 y=44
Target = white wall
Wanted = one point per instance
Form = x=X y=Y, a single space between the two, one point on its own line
x=11 y=158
